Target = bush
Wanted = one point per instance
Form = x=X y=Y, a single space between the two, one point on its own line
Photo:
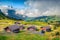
x=37 y=29
x=57 y=33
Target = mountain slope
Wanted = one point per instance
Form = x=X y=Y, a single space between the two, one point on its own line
x=2 y=16
x=46 y=18
x=41 y=18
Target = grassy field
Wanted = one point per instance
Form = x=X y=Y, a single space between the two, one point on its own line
x=25 y=35
x=5 y=23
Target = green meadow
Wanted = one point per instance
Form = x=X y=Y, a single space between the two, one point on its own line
x=25 y=35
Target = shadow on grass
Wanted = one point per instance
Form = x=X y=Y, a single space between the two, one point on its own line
x=24 y=36
x=57 y=38
x=3 y=37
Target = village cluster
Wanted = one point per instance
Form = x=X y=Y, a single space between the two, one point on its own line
x=16 y=28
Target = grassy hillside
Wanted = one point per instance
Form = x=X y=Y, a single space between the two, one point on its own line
x=25 y=35
x=2 y=17
x=49 y=18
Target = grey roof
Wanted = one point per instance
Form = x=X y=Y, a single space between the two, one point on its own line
x=13 y=27
x=32 y=27
x=47 y=27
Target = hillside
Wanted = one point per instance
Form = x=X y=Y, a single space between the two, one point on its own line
x=2 y=16
x=22 y=35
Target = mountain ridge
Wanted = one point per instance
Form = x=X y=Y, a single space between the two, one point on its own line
x=20 y=17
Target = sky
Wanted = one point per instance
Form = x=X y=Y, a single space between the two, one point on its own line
x=14 y=3
x=34 y=8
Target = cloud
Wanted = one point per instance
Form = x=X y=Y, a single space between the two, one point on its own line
x=42 y=8
x=28 y=12
x=35 y=8
x=52 y=11
x=20 y=12
x=4 y=9
x=32 y=13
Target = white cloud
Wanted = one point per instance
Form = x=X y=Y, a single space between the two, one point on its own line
x=4 y=9
x=46 y=8
x=52 y=11
x=20 y=12
x=32 y=13
x=37 y=8
x=28 y=12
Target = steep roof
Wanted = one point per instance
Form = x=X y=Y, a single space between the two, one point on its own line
x=13 y=27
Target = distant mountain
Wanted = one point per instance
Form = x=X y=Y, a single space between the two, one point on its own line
x=45 y=18
x=3 y=16
x=41 y=18
x=10 y=13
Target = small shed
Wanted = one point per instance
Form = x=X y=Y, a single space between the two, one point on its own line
x=48 y=28
x=32 y=28
x=14 y=28
x=43 y=28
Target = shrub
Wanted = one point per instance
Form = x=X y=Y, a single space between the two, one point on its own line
x=57 y=33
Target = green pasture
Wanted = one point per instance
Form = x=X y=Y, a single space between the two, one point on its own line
x=25 y=35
